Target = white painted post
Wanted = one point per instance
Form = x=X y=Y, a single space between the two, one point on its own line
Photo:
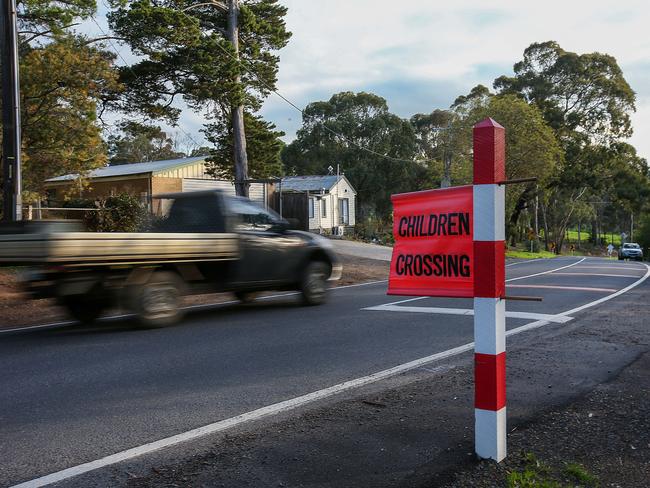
x=489 y=290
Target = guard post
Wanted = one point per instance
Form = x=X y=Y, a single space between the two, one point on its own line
x=489 y=291
x=437 y=253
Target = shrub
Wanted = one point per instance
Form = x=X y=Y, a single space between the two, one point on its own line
x=119 y=213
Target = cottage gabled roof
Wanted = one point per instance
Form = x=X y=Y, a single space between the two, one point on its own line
x=310 y=183
x=129 y=169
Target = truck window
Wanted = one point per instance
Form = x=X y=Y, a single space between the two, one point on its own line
x=200 y=213
x=250 y=216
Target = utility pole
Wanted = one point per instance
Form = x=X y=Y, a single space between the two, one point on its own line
x=239 y=136
x=445 y=181
x=12 y=203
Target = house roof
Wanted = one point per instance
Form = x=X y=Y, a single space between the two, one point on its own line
x=309 y=183
x=134 y=168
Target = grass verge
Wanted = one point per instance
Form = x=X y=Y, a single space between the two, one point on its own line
x=529 y=255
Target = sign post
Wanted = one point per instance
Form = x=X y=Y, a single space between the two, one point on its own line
x=489 y=291
x=451 y=243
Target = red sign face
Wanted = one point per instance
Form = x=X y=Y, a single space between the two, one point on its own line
x=433 y=251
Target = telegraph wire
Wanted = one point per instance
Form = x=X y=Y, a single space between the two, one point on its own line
x=350 y=141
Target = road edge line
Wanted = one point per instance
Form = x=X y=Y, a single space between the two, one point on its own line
x=290 y=404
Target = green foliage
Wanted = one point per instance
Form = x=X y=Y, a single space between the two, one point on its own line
x=119 y=213
x=584 y=93
x=184 y=51
x=642 y=234
x=440 y=137
x=578 y=474
x=61 y=85
x=40 y=20
x=64 y=77
x=536 y=474
x=363 y=121
x=263 y=146
x=141 y=143
x=587 y=102
x=376 y=230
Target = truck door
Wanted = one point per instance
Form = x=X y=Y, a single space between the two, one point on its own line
x=267 y=254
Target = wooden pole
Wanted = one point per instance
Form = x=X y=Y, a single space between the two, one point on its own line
x=238 y=132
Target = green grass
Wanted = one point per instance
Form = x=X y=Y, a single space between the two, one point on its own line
x=572 y=236
x=516 y=253
x=578 y=473
x=536 y=474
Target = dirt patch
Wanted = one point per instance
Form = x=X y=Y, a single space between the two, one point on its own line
x=606 y=434
x=17 y=309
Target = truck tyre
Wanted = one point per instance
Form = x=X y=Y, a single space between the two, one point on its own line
x=87 y=307
x=83 y=309
x=157 y=303
x=313 y=286
x=245 y=296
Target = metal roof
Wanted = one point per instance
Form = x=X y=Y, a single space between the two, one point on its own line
x=134 y=168
x=309 y=183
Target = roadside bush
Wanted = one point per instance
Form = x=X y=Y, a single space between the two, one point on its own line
x=642 y=235
x=119 y=213
x=373 y=229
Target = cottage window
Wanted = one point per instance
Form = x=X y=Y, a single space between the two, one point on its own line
x=311 y=208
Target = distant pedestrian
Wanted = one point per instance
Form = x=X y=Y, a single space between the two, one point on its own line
x=610 y=250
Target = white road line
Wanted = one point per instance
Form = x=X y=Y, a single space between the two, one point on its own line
x=525 y=261
x=561 y=287
x=510 y=279
x=546 y=272
x=560 y=319
x=190 y=307
x=599 y=274
x=621 y=267
x=291 y=404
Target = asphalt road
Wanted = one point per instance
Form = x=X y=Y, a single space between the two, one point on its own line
x=73 y=395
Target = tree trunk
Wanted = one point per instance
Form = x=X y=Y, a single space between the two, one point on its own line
x=520 y=206
x=237 y=112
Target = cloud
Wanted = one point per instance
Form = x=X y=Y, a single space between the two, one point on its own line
x=420 y=55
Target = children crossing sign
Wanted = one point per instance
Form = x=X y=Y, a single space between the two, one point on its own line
x=451 y=243
x=433 y=250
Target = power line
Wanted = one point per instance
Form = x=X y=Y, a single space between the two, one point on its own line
x=128 y=66
x=277 y=93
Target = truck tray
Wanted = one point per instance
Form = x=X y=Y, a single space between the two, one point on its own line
x=114 y=248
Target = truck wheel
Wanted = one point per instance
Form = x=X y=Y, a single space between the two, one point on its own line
x=245 y=296
x=87 y=307
x=83 y=309
x=157 y=302
x=314 y=283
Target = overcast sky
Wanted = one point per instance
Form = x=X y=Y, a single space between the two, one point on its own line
x=421 y=54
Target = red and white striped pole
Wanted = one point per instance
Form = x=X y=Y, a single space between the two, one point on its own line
x=489 y=290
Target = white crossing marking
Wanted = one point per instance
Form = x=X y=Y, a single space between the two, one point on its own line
x=560 y=287
x=559 y=319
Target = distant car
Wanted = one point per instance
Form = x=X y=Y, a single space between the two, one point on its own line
x=630 y=250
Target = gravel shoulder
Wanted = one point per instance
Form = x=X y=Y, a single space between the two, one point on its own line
x=577 y=393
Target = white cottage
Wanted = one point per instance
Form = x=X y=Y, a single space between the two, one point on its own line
x=331 y=201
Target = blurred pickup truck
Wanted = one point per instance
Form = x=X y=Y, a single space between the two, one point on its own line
x=207 y=242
